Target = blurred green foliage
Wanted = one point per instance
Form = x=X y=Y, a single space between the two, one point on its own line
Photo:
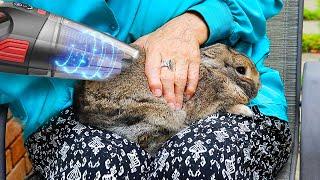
x=311 y=43
x=311 y=15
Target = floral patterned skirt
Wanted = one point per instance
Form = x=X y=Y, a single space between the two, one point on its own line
x=222 y=146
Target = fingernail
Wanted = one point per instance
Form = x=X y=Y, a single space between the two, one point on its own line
x=157 y=92
x=178 y=106
x=171 y=105
x=188 y=97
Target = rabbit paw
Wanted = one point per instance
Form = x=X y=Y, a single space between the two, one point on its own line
x=241 y=109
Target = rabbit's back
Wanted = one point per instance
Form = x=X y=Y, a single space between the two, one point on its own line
x=101 y=103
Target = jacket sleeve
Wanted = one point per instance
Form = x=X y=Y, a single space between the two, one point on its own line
x=34 y=100
x=231 y=20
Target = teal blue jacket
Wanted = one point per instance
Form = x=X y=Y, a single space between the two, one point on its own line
x=239 y=23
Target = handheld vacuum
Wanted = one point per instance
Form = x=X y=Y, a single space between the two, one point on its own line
x=35 y=42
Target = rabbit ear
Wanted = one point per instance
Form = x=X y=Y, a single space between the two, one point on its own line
x=212 y=62
x=215 y=55
x=214 y=50
x=217 y=46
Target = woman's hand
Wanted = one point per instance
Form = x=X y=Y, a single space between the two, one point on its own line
x=173 y=58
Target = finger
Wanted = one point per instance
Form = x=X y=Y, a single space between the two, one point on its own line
x=181 y=73
x=193 y=78
x=167 y=80
x=152 y=71
x=141 y=41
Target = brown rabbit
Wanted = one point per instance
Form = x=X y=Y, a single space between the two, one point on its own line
x=126 y=106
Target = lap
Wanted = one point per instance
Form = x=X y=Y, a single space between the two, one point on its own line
x=220 y=146
x=226 y=146
x=66 y=149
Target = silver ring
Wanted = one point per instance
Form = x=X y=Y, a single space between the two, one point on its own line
x=168 y=64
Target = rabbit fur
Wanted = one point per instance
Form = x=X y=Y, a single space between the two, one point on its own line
x=126 y=106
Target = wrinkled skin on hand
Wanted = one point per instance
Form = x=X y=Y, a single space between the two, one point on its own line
x=178 y=40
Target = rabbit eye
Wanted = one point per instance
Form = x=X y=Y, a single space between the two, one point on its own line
x=241 y=70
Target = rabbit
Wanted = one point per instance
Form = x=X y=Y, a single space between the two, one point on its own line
x=126 y=106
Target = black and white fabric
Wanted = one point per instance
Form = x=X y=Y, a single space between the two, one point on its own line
x=222 y=146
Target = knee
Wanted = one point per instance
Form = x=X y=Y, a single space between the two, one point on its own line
x=202 y=150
